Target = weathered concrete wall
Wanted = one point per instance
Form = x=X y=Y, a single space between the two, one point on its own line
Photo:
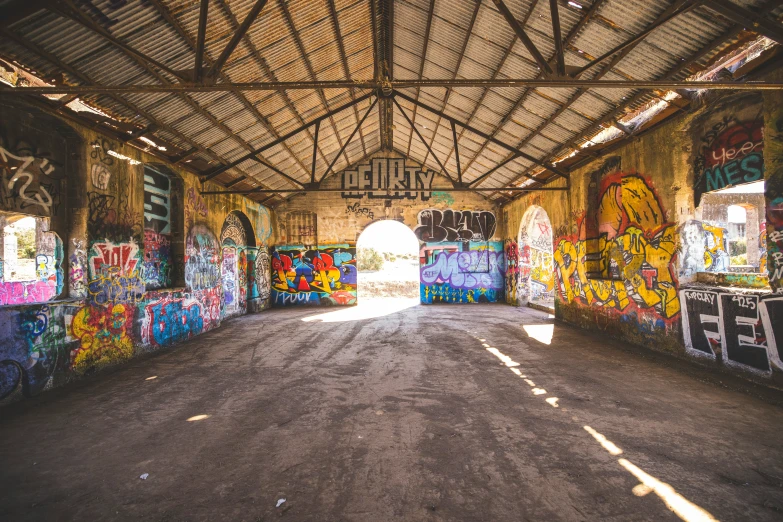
x=460 y=262
x=144 y=261
x=629 y=242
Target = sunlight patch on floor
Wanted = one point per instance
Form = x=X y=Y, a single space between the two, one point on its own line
x=679 y=505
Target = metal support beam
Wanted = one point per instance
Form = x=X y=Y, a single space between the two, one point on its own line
x=456 y=151
x=524 y=38
x=355 y=130
x=412 y=190
x=281 y=139
x=485 y=136
x=442 y=168
x=234 y=182
x=200 y=39
x=238 y=34
x=556 y=34
x=760 y=24
x=315 y=151
x=398 y=84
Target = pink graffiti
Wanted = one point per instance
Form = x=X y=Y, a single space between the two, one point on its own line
x=27 y=292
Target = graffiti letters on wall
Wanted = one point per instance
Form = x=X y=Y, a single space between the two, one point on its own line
x=435 y=225
x=387 y=178
x=322 y=276
x=730 y=149
x=742 y=329
x=27 y=185
x=512 y=272
x=463 y=272
x=630 y=263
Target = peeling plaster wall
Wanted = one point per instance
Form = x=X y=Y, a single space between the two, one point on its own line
x=146 y=261
x=629 y=240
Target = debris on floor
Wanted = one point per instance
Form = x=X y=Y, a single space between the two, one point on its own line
x=280 y=502
x=144 y=476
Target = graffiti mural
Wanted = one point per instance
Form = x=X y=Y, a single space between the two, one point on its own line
x=322 y=276
x=741 y=329
x=259 y=283
x=463 y=272
x=716 y=256
x=537 y=279
x=631 y=264
x=168 y=320
x=202 y=268
x=730 y=151
x=103 y=334
x=360 y=211
x=387 y=178
x=114 y=273
x=195 y=208
x=157 y=264
x=512 y=272
x=434 y=225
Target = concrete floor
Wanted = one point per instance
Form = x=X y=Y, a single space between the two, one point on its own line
x=427 y=413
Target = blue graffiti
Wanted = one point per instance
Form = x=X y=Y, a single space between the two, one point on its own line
x=171 y=321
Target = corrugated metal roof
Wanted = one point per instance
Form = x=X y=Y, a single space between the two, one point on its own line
x=303 y=40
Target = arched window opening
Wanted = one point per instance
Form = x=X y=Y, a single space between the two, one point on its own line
x=387 y=254
x=238 y=260
x=536 y=276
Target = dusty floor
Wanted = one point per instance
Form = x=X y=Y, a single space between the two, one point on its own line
x=421 y=414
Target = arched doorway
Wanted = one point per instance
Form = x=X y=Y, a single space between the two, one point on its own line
x=236 y=239
x=536 y=270
x=387 y=254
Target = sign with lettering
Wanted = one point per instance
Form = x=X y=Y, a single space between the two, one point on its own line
x=387 y=178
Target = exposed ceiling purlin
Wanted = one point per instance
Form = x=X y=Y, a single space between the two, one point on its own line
x=200 y=40
x=167 y=15
x=254 y=53
x=715 y=42
x=385 y=111
x=92 y=26
x=461 y=55
x=311 y=73
x=239 y=34
x=344 y=59
x=557 y=36
x=421 y=70
x=495 y=74
x=665 y=15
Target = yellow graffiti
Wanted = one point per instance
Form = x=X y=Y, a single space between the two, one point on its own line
x=103 y=336
x=715 y=256
x=630 y=260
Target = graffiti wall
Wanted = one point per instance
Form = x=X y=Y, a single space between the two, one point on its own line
x=463 y=272
x=513 y=272
x=325 y=275
x=628 y=270
x=120 y=262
